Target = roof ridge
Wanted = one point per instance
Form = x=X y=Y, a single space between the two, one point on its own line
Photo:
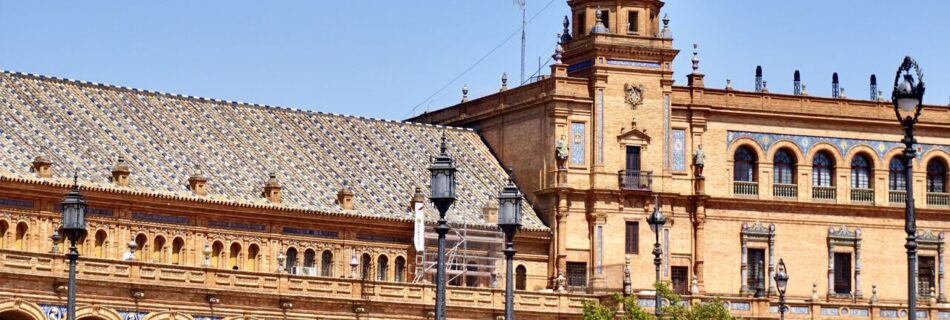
x=232 y=103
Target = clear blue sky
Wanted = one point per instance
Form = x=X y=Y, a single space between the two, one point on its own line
x=382 y=58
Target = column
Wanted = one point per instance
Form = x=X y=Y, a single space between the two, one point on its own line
x=831 y=270
x=745 y=267
x=857 y=267
x=771 y=260
x=942 y=298
x=698 y=244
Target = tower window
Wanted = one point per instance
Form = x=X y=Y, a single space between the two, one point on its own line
x=633 y=22
x=580 y=24
x=605 y=17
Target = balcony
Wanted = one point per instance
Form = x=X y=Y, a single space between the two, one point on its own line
x=635 y=180
x=897 y=197
x=827 y=193
x=865 y=196
x=745 y=188
x=788 y=191
x=937 y=199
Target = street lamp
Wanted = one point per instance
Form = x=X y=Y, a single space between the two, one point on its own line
x=74 y=227
x=656 y=221
x=442 y=194
x=509 y=220
x=907 y=96
x=781 y=281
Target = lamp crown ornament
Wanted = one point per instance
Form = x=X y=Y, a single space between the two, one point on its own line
x=908 y=90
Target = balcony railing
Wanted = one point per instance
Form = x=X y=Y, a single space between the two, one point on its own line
x=781 y=190
x=823 y=193
x=862 y=195
x=745 y=188
x=635 y=180
x=305 y=271
x=897 y=197
x=936 y=199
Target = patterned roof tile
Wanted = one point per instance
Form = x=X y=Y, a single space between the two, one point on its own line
x=165 y=138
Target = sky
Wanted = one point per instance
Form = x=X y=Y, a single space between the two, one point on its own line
x=392 y=59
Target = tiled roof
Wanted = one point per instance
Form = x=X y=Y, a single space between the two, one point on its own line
x=166 y=138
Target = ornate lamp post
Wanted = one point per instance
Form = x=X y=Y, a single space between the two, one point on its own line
x=509 y=220
x=442 y=195
x=74 y=227
x=656 y=221
x=781 y=281
x=907 y=96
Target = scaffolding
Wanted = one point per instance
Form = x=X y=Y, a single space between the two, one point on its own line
x=471 y=256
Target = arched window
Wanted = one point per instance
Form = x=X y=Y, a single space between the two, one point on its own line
x=253 y=253
x=822 y=169
x=382 y=268
x=936 y=176
x=100 y=251
x=521 y=277
x=744 y=165
x=19 y=243
x=3 y=234
x=140 y=241
x=784 y=167
x=291 y=262
x=177 y=246
x=309 y=259
x=400 y=269
x=157 y=249
x=896 y=179
x=471 y=280
x=326 y=263
x=234 y=256
x=860 y=172
x=217 y=250
x=366 y=266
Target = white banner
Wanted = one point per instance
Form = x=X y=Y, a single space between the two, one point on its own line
x=419 y=234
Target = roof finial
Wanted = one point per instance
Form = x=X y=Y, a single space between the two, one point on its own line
x=511 y=174
x=76 y=179
x=665 y=33
x=797 y=84
x=695 y=58
x=728 y=84
x=599 y=26
x=765 y=86
x=558 y=51
x=835 y=87
x=566 y=34
x=504 y=81
x=465 y=93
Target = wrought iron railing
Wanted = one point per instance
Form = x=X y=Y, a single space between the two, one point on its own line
x=897 y=197
x=781 y=190
x=745 y=188
x=937 y=199
x=635 y=180
x=862 y=195
x=823 y=193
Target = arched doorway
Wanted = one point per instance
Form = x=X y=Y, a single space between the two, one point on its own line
x=16 y=309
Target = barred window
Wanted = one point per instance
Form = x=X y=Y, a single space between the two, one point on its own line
x=577 y=274
x=897 y=181
x=633 y=237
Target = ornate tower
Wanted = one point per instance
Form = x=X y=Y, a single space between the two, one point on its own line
x=624 y=50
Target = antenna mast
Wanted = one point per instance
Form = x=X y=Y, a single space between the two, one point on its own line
x=523 y=4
